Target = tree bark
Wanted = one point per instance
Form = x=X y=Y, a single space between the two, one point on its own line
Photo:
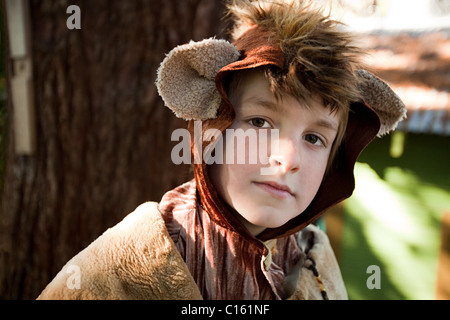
x=103 y=135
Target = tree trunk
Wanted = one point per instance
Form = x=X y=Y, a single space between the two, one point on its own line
x=103 y=135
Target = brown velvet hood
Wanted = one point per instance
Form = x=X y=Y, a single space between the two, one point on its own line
x=377 y=112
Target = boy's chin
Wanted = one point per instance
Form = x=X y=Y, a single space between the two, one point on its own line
x=265 y=217
x=273 y=218
x=267 y=224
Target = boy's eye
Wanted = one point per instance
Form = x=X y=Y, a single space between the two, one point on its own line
x=313 y=139
x=259 y=123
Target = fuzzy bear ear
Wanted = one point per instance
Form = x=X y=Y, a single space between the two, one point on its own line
x=378 y=95
x=185 y=79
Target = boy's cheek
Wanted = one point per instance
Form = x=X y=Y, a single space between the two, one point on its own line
x=246 y=148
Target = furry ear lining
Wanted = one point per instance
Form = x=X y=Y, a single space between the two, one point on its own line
x=377 y=94
x=185 y=79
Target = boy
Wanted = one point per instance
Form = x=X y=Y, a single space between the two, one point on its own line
x=242 y=230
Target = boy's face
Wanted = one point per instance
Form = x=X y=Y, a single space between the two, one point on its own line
x=306 y=136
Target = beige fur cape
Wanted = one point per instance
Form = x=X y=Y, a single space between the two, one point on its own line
x=137 y=259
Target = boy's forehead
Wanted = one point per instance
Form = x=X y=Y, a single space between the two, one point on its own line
x=253 y=87
x=254 y=84
x=250 y=88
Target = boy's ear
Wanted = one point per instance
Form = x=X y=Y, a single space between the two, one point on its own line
x=378 y=95
x=185 y=79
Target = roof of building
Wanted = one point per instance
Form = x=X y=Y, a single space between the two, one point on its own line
x=417 y=66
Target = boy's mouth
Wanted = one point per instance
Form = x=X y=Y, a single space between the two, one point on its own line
x=274 y=188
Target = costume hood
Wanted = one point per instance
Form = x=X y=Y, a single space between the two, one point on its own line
x=192 y=81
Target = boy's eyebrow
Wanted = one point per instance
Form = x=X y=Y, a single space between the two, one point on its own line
x=271 y=105
x=332 y=125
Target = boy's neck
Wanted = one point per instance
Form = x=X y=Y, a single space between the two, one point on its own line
x=253 y=229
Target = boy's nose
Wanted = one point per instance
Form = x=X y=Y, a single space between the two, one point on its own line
x=287 y=157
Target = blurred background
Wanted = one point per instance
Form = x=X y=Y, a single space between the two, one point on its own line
x=399 y=215
x=85 y=139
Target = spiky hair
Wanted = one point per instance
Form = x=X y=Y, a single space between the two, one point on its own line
x=319 y=56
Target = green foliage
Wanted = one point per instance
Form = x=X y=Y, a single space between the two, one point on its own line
x=393 y=219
